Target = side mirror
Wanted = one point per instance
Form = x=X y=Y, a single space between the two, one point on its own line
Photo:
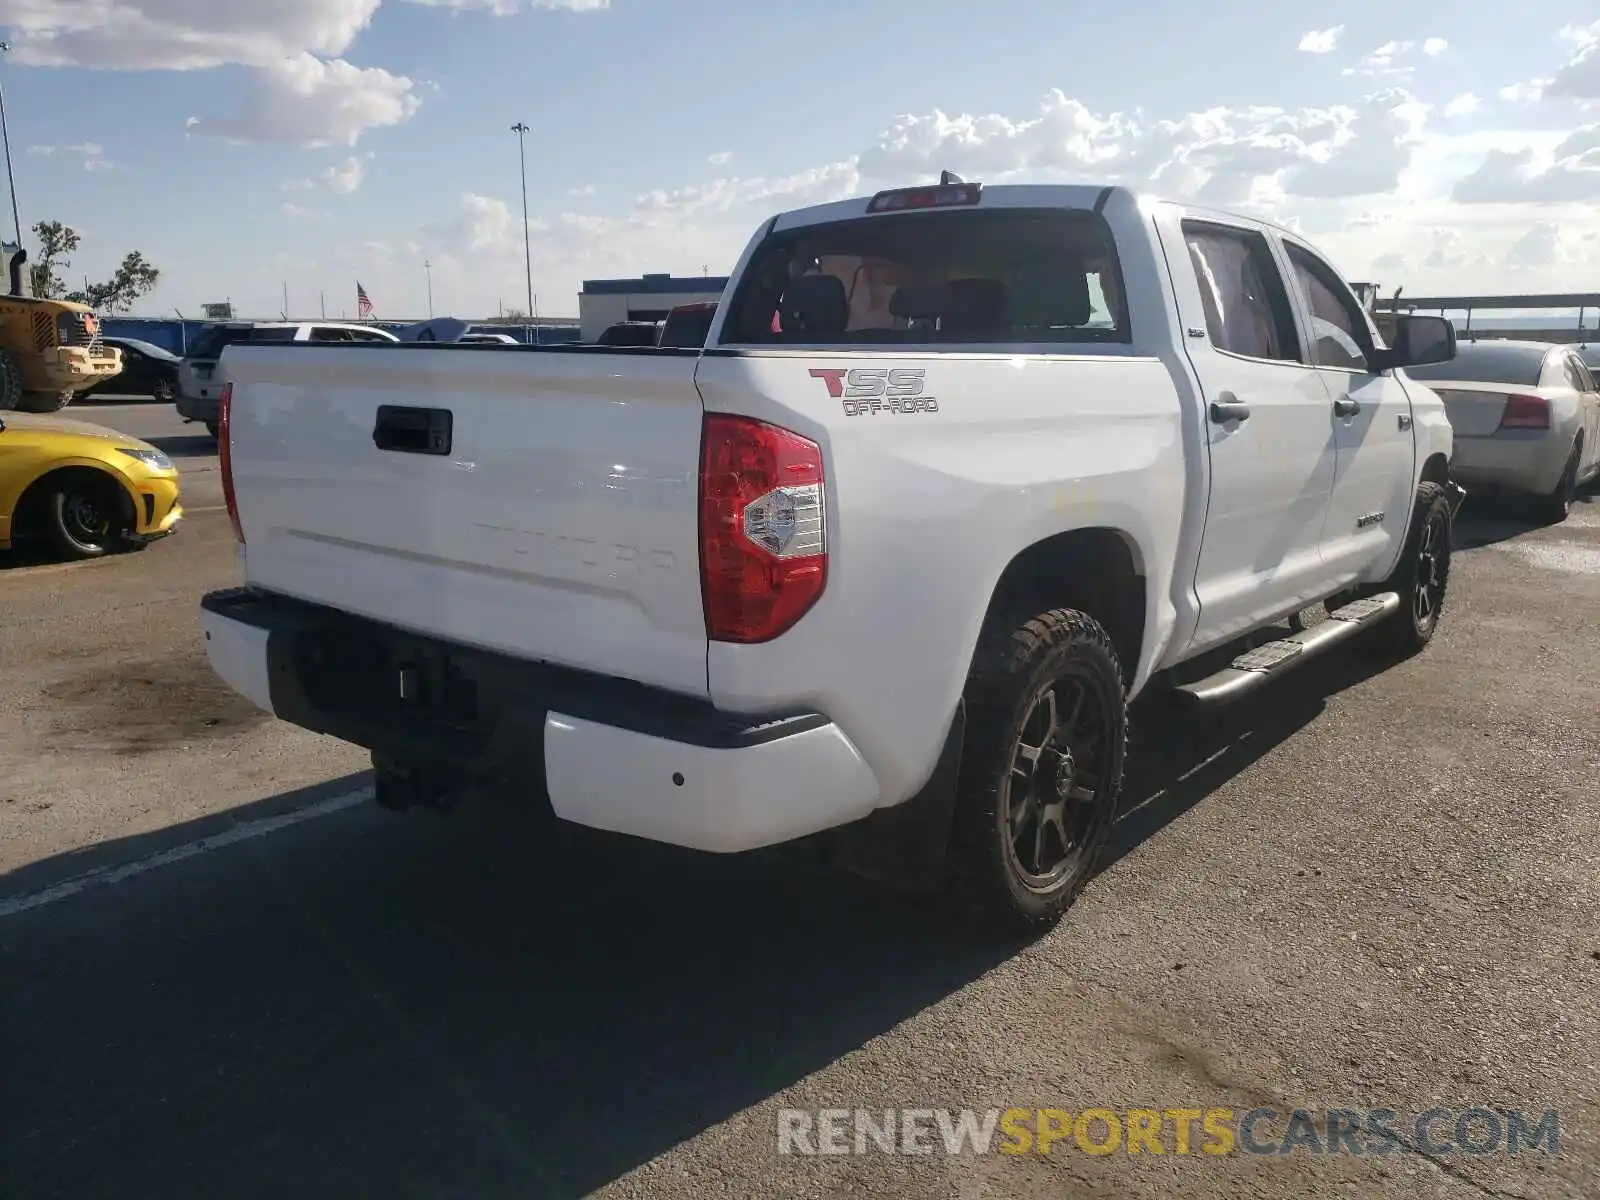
x=1417 y=341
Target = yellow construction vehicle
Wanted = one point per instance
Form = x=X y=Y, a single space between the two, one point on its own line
x=49 y=349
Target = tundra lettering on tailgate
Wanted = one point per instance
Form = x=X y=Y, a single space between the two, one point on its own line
x=876 y=390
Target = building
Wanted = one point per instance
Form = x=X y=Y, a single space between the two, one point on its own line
x=604 y=302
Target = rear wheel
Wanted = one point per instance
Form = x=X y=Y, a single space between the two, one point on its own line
x=1556 y=505
x=10 y=382
x=164 y=391
x=211 y=428
x=84 y=516
x=1042 y=767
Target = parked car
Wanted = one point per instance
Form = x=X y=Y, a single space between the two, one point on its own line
x=687 y=325
x=630 y=333
x=200 y=380
x=888 y=578
x=147 y=370
x=1526 y=417
x=488 y=339
x=82 y=489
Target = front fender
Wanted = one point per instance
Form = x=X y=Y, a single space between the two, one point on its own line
x=130 y=489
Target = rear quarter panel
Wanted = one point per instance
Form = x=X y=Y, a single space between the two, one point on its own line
x=926 y=509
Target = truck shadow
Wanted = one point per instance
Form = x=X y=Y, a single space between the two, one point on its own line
x=1487 y=520
x=367 y=1004
x=1178 y=756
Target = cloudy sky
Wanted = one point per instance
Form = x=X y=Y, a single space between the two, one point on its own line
x=242 y=144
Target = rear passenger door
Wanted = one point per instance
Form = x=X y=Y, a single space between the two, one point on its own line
x=1370 y=418
x=1267 y=427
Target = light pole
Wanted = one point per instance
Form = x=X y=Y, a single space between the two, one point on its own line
x=428 y=267
x=5 y=135
x=521 y=130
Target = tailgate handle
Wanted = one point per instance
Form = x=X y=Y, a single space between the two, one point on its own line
x=413 y=430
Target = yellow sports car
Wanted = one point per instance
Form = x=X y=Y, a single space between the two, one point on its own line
x=82 y=489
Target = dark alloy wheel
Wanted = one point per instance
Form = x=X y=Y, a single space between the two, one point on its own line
x=1422 y=577
x=1042 y=766
x=83 y=517
x=1433 y=570
x=165 y=391
x=1047 y=805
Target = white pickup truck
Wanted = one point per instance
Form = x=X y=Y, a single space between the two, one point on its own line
x=959 y=471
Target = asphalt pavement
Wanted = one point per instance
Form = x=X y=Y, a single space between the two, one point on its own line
x=224 y=972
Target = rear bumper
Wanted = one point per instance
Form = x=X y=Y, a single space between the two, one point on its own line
x=1523 y=462
x=196 y=408
x=612 y=754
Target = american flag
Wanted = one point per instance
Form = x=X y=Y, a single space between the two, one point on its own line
x=363 y=304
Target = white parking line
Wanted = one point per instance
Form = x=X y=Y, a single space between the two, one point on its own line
x=105 y=876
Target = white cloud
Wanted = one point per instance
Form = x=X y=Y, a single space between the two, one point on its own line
x=342 y=178
x=720 y=158
x=315 y=102
x=1579 y=77
x=505 y=8
x=1385 y=61
x=179 y=35
x=1569 y=175
x=1434 y=46
x=1369 y=182
x=1541 y=246
x=1576 y=79
x=587 y=189
x=91 y=155
x=1461 y=106
x=1321 y=41
x=299 y=212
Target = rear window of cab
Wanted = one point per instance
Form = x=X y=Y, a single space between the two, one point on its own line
x=999 y=276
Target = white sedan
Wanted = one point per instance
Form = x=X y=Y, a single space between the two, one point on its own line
x=1526 y=417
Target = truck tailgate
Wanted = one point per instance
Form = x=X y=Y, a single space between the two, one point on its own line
x=556 y=520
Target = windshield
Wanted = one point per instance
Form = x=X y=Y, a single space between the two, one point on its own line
x=1002 y=275
x=212 y=342
x=1487 y=362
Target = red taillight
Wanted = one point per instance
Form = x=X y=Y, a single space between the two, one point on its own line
x=763 y=541
x=225 y=457
x=1526 y=412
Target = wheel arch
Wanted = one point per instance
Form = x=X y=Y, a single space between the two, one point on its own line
x=1099 y=570
x=1435 y=470
x=32 y=496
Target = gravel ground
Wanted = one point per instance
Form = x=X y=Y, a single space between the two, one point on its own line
x=1367 y=889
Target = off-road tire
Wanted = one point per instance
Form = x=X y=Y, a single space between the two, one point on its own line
x=1012 y=669
x=1556 y=505
x=44 y=402
x=1425 y=560
x=10 y=382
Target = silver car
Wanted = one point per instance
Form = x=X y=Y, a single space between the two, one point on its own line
x=1526 y=417
x=200 y=374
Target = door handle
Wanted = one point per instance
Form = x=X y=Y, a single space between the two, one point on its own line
x=1225 y=408
x=1347 y=407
